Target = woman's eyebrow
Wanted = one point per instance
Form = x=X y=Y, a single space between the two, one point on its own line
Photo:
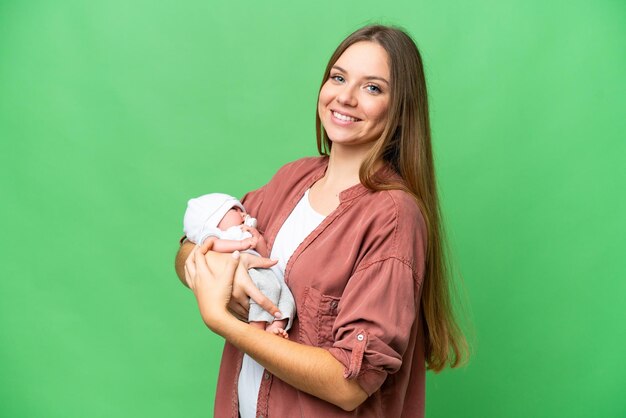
x=369 y=77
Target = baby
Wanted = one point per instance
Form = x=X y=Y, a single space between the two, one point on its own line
x=224 y=217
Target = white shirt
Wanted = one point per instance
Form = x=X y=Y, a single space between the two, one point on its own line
x=300 y=223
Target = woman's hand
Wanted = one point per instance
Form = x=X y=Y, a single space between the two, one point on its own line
x=210 y=276
x=242 y=287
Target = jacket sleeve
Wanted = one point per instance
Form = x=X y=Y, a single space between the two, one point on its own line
x=377 y=312
x=375 y=316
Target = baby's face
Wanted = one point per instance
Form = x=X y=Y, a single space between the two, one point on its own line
x=233 y=217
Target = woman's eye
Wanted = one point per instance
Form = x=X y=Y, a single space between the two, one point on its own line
x=337 y=78
x=373 y=89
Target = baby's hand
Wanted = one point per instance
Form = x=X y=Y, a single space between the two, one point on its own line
x=250 y=242
x=255 y=233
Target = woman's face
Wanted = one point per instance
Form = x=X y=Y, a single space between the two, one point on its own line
x=353 y=102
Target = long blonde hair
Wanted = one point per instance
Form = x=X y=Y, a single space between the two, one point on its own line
x=405 y=144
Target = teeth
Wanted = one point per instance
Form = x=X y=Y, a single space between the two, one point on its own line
x=344 y=117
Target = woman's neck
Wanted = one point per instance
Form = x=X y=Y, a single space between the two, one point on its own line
x=344 y=164
x=342 y=173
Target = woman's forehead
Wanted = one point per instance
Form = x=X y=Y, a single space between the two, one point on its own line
x=366 y=57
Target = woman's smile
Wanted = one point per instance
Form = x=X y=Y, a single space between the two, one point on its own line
x=341 y=117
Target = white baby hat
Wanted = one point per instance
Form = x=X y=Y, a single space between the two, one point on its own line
x=206 y=212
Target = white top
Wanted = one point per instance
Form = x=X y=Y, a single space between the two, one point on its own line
x=300 y=223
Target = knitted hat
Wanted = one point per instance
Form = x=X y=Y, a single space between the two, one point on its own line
x=206 y=212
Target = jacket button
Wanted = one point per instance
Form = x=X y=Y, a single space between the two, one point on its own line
x=360 y=337
x=266 y=375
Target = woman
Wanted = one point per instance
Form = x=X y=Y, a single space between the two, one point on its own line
x=367 y=273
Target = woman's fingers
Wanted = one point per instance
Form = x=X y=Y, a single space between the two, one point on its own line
x=190 y=268
x=252 y=261
x=255 y=294
x=207 y=245
x=244 y=289
x=239 y=295
x=231 y=266
x=187 y=277
x=267 y=305
x=202 y=268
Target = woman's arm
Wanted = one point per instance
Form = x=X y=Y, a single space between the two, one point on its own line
x=310 y=369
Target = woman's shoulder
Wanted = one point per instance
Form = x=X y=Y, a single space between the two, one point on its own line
x=391 y=229
x=395 y=199
x=398 y=207
x=405 y=203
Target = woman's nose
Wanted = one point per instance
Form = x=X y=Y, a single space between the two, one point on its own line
x=347 y=96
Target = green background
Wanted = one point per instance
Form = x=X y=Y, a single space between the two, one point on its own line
x=114 y=113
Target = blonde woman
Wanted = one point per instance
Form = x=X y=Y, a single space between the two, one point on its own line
x=358 y=232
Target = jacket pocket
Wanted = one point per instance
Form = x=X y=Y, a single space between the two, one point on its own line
x=317 y=316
